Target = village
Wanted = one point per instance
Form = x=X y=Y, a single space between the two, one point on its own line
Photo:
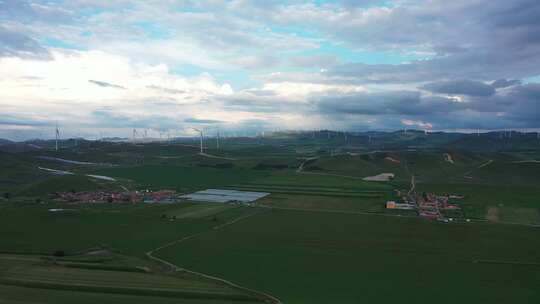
x=129 y=197
x=427 y=205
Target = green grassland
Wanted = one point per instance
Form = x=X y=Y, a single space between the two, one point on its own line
x=24 y=295
x=180 y=178
x=322 y=236
x=131 y=230
x=120 y=235
x=94 y=279
x=200 y=210
x=111 y=281
x=319 y=257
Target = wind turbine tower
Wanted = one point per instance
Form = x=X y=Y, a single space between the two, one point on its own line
x=201 y=133
x=134 y=135
x=57 y=137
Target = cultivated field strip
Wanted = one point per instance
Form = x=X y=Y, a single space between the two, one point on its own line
x=64 y=278
x=310 y=191
x=315 y=187
x=199 y=210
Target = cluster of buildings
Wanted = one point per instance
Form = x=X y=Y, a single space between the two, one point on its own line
x=133 y=197
x=427 y=205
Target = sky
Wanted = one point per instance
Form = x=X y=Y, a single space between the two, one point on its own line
x=106 y=67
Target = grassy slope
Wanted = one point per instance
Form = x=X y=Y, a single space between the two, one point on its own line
x=129 y=229
x=328 y=258
x=22 y=295
x=182 y=178
x=28 y=274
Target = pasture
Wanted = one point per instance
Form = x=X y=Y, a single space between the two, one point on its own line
x=319 y=257
x=93 y=278
x=179 y=177
x=322 y=236
x=128 y=229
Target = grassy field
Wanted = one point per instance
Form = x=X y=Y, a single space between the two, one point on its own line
x=324 y=253
x=199 y=210
x=51 y=275
x=24 y=295
x=314 y=202
x=125 y=233
x=291 y=179
x=181 y=178
x=317 y=257
x=128 y=229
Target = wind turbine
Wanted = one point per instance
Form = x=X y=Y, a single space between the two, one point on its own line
x=201 y=133
x=57 y=136
x=217 y=139
x=134 y=135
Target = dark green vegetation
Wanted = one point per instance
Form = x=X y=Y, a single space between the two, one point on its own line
x=182 y=178
x=129 y=229
x=108 y=279
x=101 y=250
x=98 y=274
x=319 y=257
x=322 y=236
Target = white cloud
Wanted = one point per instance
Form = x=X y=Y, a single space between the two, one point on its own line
x=417 y=123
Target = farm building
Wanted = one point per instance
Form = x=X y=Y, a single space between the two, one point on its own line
x=225 y=196
x=402 y=206
x=161 y=196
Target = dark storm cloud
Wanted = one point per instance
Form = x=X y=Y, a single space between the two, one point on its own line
x=517 y=107
x=385 y=103
x=22 y=120
x=484 y=40
x=484 y=65
x=523 y=104
x=15 y=44
x=106 y=84
x=504 y=83
x=460 y=87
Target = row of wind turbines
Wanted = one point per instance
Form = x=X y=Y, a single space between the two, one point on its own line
x=503 y=134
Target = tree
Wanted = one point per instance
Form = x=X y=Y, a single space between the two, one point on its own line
x=7 y=195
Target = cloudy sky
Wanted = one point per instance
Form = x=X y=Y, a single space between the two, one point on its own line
x=107 y=66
